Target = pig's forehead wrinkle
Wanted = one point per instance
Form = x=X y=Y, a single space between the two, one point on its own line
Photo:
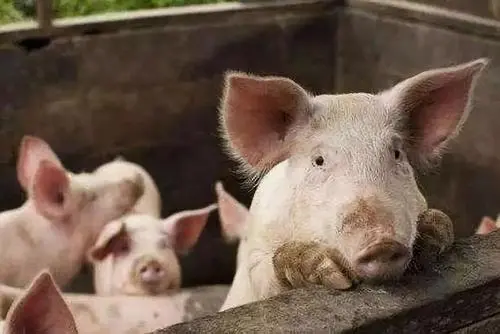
x=348 y=108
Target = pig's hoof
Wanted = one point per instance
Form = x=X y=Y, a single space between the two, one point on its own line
x=435 y=235
x=300 y=264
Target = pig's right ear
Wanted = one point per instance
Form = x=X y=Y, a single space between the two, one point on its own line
x=41 y=310
x=114 y=238
x=233 y=215
x=433 y=106
x=32 y=151
x=486 y=226
x=258 y=116
x=51 y=190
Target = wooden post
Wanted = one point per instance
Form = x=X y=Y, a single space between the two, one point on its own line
x=44 y=13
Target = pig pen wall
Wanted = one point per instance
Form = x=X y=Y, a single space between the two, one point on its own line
x=150 y=92
x=383 y=42
x=149 y=89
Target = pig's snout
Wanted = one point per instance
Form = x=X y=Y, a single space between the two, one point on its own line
x=151 y=272
x=381 y=261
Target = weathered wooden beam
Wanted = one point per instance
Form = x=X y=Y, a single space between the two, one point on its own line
x=461 y=289
x=44 y=14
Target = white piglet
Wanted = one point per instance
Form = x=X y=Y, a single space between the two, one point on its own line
x=137 y=254
x=61 y=218
x=338 y=170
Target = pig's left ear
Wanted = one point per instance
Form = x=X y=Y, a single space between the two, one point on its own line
x=114 y=238
x=41 y=310
x=433 y=106
x=185 y=227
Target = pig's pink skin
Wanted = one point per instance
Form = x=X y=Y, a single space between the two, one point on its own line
x=233 y=215
x=52 y=232
x=337 y=169
x=136 y=314
x=150 y=202
x=136 y=247
x=39 y=310
x=488 y=225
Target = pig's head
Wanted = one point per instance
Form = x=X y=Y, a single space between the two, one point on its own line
x=83 y=202
x=340 y=168
x=137 y=255
x=40 y=310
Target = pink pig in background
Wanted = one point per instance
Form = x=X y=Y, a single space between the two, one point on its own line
x=137 y=254
x=40 y=309
x=62 y=216
x=43 y=309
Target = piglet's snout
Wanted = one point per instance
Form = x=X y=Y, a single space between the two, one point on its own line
x=383 y=260
x=150 y=272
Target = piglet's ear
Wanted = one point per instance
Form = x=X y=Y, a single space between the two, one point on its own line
x=433 y=106
x=233 y=215
x=259 y=115
x=32 y=151
x=51 y=190
x=185 y=227
x=41 y=310
x=486 y=226
x=114 y=238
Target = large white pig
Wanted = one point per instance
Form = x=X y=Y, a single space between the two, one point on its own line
x=61 y=218
x=104 y=314
x=338 y=174
x=138 y=254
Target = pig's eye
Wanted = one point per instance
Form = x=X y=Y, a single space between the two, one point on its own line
x=319 y=160
x=122 y=247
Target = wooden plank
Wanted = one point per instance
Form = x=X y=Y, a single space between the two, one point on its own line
x=175 y=16
x=44 y=13
x=459 y=290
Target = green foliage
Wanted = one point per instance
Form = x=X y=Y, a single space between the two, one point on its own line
x=16 y=10
x=8 y=13
x=65 y=8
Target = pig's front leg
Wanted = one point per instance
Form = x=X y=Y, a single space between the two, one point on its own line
x=301 y=264
x=435 y=235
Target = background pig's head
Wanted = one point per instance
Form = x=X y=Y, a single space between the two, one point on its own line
x=136 y=255
x=40 y=310
x=83 y=202
x=340 y=167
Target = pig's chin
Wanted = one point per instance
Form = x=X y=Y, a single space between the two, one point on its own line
x=156 y=288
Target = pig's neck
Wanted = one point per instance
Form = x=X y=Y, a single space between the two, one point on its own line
x=41 y=228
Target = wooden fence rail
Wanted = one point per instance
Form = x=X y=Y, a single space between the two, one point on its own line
x=460 y=293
